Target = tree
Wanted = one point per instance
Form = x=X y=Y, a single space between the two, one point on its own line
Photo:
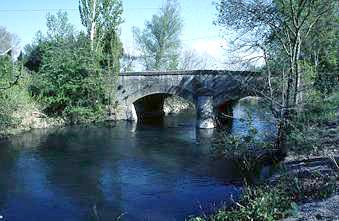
x=278 y=29
x=8 y=42
x=58 y=26
x=159 y=42
x=68 y=81
x=59 y=29
x=13 y=82
x=321 y=52
x=13 y=91
x=191 y=60
x=101 y=18
x=9 y=74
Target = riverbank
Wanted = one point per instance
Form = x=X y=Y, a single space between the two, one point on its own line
x=323 y=161
x=32 y=118
x=305 y=186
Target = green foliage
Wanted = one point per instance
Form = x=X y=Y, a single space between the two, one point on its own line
x=58 y=30
x=308 y=132
x=6 y=76
x=84 y=115
x=248 y=150
x=159 y=41
x=321 y=51
x=69 y=77
x=309 y=186
x=263 y=203
x=270 y=202
x=58 y=26
x=102 y=19
x=14 y=96
x=70 y=80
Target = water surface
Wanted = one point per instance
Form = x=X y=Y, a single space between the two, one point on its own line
x=160 y=171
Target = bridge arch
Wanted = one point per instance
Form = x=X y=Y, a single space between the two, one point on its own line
x=153 y=104
x=207 y=89
x=177 y=91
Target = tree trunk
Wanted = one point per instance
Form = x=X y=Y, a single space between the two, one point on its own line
x=93 y=26
x=281 y=141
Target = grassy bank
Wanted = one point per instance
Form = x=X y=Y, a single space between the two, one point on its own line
x=307 y=179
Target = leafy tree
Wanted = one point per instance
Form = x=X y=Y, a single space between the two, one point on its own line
x=9 y=73
x=321 y=52
x=101 y=18
x=14 y=95
x=279 y=30
x=59 y=30
x=159 y=42
x=58 y=26
x=69 y=79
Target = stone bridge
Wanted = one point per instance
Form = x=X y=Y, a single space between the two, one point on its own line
x=209 y=90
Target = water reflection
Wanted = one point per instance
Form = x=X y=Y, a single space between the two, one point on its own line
x=145 y=172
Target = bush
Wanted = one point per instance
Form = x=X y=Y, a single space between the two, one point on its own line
x=308 y=186
x=70 y=81
x=84 y=115
x=278 y=199
x=263 y=203
x=307 y=131
x=14 y=96
x=249 y=151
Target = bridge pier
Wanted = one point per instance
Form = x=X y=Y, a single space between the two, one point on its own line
x=132 y=114
x=205 y=112
x=126 y=112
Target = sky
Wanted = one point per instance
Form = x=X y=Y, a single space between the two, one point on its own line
x=25 y=17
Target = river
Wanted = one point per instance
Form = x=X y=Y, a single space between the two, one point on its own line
x=155 y=171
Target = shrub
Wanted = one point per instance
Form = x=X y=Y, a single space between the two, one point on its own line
x=70 y=81
x=307 y=131
x=14 y=96
x=249 y=151
x=257 y=204
x=77 y=115
x=308 y=186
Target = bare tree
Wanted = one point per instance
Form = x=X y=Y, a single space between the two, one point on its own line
x=275 y=30
x=192 y=60
x=9 y=43
x=127 y=63
x=9 y=72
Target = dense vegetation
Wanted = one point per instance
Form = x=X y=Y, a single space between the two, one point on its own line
x=71 y=75
x=64 y=73
x=297 y=41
